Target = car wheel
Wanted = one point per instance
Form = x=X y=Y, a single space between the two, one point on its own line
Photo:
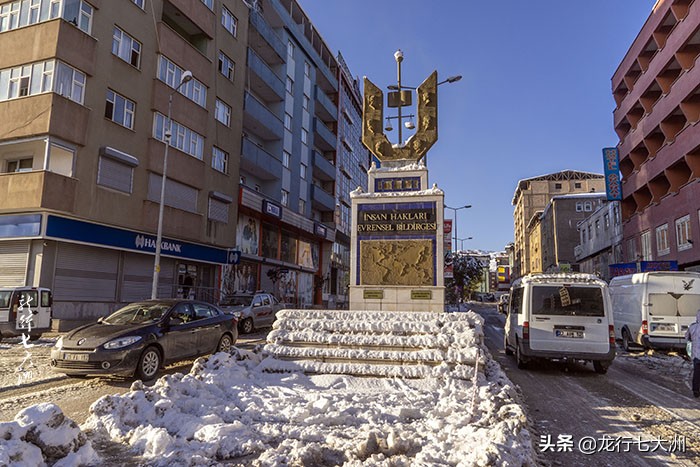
x=626 y=340
x=225 y=344
x=519 y=360
x=247 y=326
x=600 y=367
x=149 y=363
x=505 y=346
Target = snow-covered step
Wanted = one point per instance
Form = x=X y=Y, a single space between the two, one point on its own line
x=405 y=344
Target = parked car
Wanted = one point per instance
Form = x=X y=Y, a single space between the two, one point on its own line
x=25 y=310
x=142 y=337
x=654 y=309
x=503 y=302
x=560 y=317
x=255 y=310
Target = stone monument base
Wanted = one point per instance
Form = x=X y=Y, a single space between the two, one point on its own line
x=397 y=298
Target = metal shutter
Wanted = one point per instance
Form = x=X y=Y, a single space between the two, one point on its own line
x=14 y=257
x=85 y=273
x=177 y=195
x=114 y=174
x=138 y=277
x=218 y=211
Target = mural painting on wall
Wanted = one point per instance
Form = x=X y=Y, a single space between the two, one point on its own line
x=287 y=287
x=247 y=235
x=241 y=278
x=306 y=258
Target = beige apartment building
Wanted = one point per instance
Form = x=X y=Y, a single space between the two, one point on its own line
x=532 y=196
x=84 y=92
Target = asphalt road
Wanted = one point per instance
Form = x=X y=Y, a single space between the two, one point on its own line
x=579 y=417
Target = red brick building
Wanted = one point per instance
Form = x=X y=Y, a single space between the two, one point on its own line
x=657 y=91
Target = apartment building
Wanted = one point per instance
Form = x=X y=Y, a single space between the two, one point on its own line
x=85 y=87
x=532 y=195
x=288 y=168
x=657 y=91
x=600 y=240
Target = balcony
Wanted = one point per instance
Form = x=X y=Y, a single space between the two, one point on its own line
x=195 y=22
x=264 y=40
x=263 y=80
x=324 y=138
x=38 y=190
x=260 y=162
x=322 y=200
x=260 y=120
x=325 y=108
x=323 y=168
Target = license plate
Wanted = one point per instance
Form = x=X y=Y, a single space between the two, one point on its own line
x=663 y=327
x=573 y=334
x=78 y=357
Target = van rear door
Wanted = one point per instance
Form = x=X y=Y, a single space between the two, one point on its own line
x=569 y=318
x=672 y=311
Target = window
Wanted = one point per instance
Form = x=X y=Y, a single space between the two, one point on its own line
x=632 y=249
x=302 y=206
x=223 y=112
x=20 y=165
x=115 y=174
x=567 y=301
x=583 y=236
x=289 y=85
x=119 y=109
x=177 y=195
x=171 y=74
x=285 y=198
x=302 y=172
x=597 y=227
x=242 y=179
x=577 y=185
x=307 y=69
x=304 y=136
x=579 y=206
x=18 y=14
x=183 y=138
x=226 y=66
x=305 y=102
x=285 y=159
x=288 y=121
x=218 y=210
x=683 y=233
x=646 y=245
x=588 y=206
x=219 y=161
x=290 y=49
x=209 y=4
x=606 y=219
x=557 y=186
x=139 y=3
x=38 y=78
x=126 y=47
x=229 y=22
x=663 y=246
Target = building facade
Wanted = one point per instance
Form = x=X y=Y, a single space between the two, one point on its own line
x=600 y=240
x=656 y=89
x=532 y=195
x=85 y=88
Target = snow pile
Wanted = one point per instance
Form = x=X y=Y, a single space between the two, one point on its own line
x=227 y=409
x=42 y=435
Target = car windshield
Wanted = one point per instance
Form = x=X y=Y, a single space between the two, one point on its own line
x=567 y=300
x=138 y=313
x=237 y=301
x=5 y=299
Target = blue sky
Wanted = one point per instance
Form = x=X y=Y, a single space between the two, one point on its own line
x=535 y=96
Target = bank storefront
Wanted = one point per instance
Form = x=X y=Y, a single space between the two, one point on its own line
x=93 y=268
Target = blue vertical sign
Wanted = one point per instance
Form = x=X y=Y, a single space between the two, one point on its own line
x=611 y=163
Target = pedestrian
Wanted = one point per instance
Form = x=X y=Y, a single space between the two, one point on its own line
x=693 y=335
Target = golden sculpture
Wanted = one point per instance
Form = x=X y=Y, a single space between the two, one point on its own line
x=396 y=262
x=418 y=144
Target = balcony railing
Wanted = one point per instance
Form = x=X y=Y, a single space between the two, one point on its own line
x=38 y=189
x=260 y=120
x=327 y=141
x=262 y=163
x=322 y=200
x=265 y=82
x=265 y=41
x=323 y=168
x=326 y=108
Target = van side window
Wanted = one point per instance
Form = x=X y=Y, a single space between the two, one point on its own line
x=516 y=300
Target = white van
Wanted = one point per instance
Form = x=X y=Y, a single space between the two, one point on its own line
x=654 y=309
x=560 y=317
x=25 y=310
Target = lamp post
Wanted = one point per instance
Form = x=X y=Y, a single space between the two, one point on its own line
x=455 y=218
x=186 y=76
x=461 y=240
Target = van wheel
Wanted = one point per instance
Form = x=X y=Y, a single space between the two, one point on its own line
x=519 y=360
x=626 y=340
x=505 y=346
x=600 y=367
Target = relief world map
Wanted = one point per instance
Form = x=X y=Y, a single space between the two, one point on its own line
x=396 y=262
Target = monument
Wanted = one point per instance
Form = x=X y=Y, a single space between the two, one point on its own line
x=397 y=257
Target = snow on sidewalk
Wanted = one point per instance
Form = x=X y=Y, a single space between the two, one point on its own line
x=228 y=409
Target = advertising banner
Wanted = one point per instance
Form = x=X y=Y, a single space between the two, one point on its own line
x=611 y=164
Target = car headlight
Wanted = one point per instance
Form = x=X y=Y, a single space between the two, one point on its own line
x=59 y=343
x=121 y=342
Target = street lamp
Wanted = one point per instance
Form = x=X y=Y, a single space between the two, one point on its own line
x=455 y=218
x=461 y=240
x=451 y=79
x=186 y=76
